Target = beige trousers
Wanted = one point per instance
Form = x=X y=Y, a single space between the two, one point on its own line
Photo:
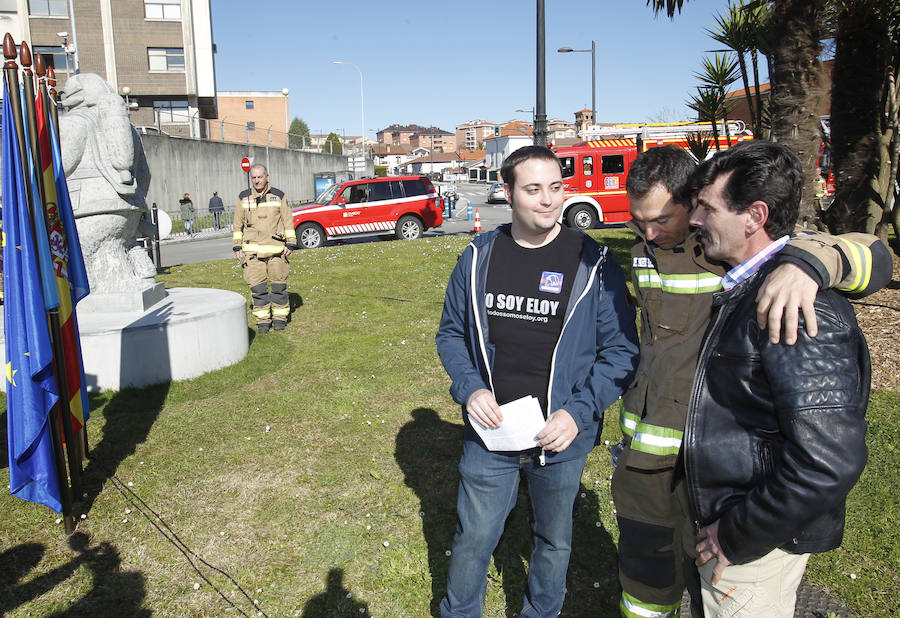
x=765 y=587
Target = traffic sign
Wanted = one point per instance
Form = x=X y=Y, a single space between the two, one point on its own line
x=245 y=164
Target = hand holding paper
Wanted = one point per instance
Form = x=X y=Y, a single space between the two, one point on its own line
x=522 y=419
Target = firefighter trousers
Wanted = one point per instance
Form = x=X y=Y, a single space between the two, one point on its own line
x=261 y=274
x=656 y=542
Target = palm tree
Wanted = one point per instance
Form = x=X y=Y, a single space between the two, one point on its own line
x=719 y=73
x=699 y=144
x=735 y=31
x=708 y=104
x=796 y=75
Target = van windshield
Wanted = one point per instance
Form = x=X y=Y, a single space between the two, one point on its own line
x=327 y=194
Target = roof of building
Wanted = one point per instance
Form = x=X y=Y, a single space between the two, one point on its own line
x=391 y=149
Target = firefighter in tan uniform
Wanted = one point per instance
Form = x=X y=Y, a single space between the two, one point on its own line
x=263 y=239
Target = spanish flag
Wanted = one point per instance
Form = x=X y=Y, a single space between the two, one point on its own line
x=68 y=262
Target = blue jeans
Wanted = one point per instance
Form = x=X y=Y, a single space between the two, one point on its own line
x=488 y=488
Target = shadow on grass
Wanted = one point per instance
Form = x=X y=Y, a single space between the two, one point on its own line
x=4 y=445
x=336 y=600
x=129 y=415
x=591 y=583
x=428 y=451
x=113 y=592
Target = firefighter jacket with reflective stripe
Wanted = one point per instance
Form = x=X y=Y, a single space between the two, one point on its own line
x=262 y=223
x=674 y=288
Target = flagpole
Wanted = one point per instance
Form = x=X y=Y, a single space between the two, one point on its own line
x=10 y=73
x=73 y=445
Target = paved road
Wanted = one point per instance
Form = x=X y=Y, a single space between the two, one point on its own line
x=216 y=245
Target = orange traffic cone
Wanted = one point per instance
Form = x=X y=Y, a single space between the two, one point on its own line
x=477 y=222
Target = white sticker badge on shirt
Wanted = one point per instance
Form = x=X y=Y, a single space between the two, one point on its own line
x=551 y=282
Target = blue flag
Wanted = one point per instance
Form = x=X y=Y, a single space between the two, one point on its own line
x=31 y=388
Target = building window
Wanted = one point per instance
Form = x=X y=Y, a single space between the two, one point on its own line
x=166 y=58
x=52 y=8
x=172 y=112
x=251 y=126
x=248 y=104
x=162 y=9
x=54 y=56
x=8 y=6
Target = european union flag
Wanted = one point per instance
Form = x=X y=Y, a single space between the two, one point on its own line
x=31 y=388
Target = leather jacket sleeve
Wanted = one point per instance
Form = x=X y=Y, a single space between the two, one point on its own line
x=819 y=391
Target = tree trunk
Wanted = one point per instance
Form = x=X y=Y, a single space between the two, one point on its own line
x=888 y=178
x=757 y=120
x=859 y=147
x=749 y=97
x=798 y=88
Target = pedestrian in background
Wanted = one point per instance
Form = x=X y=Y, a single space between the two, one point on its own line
x=216 y=208
x=187 y=213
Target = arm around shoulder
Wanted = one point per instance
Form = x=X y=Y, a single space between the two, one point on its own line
x=855 y=264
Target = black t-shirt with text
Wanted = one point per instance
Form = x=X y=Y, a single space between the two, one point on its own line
x=526 y=296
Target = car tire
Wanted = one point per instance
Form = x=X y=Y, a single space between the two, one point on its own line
x=310 y=236
x=409 y=228
x=581 y=217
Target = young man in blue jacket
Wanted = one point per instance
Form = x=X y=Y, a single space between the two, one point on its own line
x=531 y=308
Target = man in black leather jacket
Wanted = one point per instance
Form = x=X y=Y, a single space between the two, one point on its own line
x=775 y=434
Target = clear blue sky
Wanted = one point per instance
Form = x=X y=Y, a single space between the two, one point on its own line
x=443 y=63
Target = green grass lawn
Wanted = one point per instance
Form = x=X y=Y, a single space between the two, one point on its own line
x=318 y=476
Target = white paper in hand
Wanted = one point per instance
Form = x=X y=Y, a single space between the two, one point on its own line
x=522 y=420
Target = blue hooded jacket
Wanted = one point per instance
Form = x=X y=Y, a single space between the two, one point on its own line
x=595 y=357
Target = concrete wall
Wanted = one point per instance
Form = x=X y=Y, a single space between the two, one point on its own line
x=179 y=166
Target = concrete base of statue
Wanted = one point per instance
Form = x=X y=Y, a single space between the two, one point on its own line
x=190 y=332
x=123 y=302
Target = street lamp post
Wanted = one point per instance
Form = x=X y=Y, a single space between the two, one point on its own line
x=530 y=109
x=362 y=105
x=593 y=52
x=287 y=119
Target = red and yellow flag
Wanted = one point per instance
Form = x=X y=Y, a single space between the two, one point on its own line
x=68 y=263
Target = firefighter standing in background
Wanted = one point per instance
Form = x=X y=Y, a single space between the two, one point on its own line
x=263 y=239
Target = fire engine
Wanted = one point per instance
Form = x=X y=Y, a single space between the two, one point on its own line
x=594 y=171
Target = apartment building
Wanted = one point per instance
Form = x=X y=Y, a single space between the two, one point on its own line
x=472 y=133
x=252 y=117
x=434 y=138
x=158 y=54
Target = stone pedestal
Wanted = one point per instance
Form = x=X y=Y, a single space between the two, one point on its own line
x=190 y=332
x=123 y=302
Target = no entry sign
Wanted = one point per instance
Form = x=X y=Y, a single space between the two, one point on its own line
x=245 y=164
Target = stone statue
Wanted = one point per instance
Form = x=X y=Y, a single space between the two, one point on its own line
x=108 y=178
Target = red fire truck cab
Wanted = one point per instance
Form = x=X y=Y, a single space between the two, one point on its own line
x=594 y=171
